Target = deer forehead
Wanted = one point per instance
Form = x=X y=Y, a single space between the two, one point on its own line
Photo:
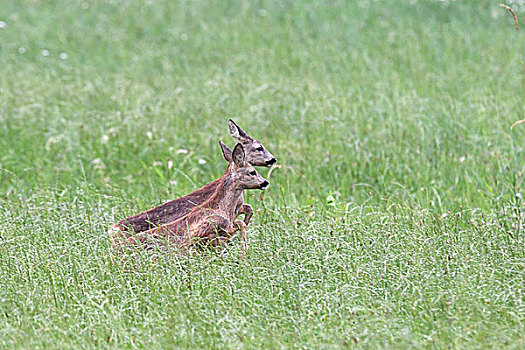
x=246 y=169
x=254 y=144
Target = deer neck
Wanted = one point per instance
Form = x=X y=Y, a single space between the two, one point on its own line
x=226 y=196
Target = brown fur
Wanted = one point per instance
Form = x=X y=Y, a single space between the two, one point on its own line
x=169 y=211
x=175 y=209
x=212 y=222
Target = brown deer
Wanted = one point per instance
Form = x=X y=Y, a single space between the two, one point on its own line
x=212 y=222
x=256 y=154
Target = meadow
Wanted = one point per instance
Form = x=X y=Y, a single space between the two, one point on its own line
x=396 y=219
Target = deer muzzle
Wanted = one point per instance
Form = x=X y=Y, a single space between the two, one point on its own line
x=271 y=162
x=264 y=185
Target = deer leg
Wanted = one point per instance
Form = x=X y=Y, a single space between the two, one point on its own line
x=247 y=210
x=117 y=234
x=138 y=241
x=240 y=226
x=121 y=244
x=215 y=231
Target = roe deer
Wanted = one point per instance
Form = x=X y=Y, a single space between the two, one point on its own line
x=212 y=222
x=256 y=154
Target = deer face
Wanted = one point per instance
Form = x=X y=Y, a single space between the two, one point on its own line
x=243 y=173
x=256 y=153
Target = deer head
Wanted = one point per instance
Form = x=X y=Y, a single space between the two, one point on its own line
x=242 y=173
x=255 y=152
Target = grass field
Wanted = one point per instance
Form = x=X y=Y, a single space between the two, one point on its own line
x=396 y=219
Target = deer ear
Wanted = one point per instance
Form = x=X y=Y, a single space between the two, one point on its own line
x=236 y=132
x=226 y=152
x=238 y=155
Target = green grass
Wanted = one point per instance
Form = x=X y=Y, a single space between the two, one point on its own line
x=395 y=221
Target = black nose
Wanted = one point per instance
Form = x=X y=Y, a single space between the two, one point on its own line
x=271 y=162
x=264 y=185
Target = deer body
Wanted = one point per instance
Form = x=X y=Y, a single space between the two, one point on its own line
x=212 y=222
x=169 y=211
x=173 y=210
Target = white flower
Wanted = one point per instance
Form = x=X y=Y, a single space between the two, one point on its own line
x=21 y=50
x=98 y=164
x=45 y=53
x=63 y=56
x=170 y=164
x=157 y=163
x=182 y=151
x=52 y=140
x=105 y=138
x=201 y=161
x=184 y=37
x=2 y=24
x=149 y=134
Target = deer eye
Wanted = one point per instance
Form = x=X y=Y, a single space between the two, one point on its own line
x=259 y=149
x=253 y=173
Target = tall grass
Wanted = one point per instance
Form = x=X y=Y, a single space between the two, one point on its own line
x=396 y=219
